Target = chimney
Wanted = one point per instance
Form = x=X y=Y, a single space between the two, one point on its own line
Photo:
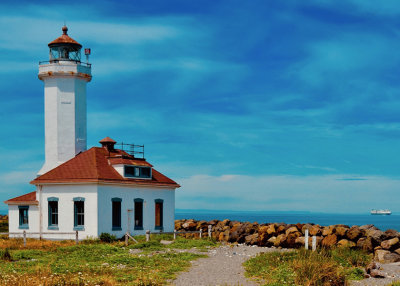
x=108 y=144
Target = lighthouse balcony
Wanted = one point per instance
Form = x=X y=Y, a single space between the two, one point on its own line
x=63 y=68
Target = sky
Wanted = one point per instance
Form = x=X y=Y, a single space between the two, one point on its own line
x=248 y=105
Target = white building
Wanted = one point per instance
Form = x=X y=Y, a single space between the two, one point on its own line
x=102 y=189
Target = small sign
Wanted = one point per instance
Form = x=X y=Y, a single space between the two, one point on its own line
x=87 y=52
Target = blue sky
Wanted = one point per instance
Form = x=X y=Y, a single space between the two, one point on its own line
x=249 y=105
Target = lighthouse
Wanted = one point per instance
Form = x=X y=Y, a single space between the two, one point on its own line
x=65 y=78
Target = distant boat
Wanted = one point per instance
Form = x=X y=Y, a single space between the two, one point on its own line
x=381 y=212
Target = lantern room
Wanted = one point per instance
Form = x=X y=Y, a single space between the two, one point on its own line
x=64 y=48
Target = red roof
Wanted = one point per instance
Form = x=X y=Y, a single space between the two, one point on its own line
x=107 y=140
x=95 y=165
x=27 y=199
x=64 y=39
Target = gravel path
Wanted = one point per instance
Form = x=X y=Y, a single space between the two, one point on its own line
x=223 y=266
x=391 y=271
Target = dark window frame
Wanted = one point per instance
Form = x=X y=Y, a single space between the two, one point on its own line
x=52 y=214
x=161 y=203
x=116 y=220
x=138 y=202
x=137 y=172
x=23 y=212
x=81 y=215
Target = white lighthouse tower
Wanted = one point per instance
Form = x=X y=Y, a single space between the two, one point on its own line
x=65 y=78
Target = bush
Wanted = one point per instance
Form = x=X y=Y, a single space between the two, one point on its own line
x=6 y=255
x=106 y=237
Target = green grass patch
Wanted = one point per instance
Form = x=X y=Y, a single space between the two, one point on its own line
x=301 y=267
x=93 y=262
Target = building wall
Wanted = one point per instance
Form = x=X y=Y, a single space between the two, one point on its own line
x=33 y=220
x=128 y=194
x=65 y=195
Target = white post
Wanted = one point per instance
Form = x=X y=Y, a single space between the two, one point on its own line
x=126 y=238
x=174 y=234
x=201 y=233
x=209 y=231
x=147 y=235
x=24 y=238
x=314 y=243
x=76 y=238
x=306 y=239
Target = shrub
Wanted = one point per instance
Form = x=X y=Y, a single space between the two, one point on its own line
x=6 y=255
x=106 y=237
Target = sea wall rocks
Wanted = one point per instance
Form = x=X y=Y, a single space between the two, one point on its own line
x=384 y=245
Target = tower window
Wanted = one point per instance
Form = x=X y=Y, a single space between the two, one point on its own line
x=79 y=213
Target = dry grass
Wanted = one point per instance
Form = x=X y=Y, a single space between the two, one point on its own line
x=301 y=267
x=17 y=243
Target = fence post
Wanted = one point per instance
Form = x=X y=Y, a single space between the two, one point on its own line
x=76 y=238
x=147 y=235
x=201 y=233
x=24 y=238
x=209 y=231
x=314 y=243
x=306 y=239
x=126 y=239
x=174 y=234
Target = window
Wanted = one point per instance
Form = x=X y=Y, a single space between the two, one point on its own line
x=53 y=212
x=138 y=214
x=137 y=172
x=159 y=214
x=116 y=213
x=23 y=217
x=79 y=213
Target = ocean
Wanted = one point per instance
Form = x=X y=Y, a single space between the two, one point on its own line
x=383 y=222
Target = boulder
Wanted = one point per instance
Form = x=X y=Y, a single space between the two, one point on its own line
x=189 y=225
x=365 y=243
x=329 y=241
x=271 y=240
x=340 y=231
x=372 y=265
x=306 y=226
x=251 y=239
x=315 y=230
x=390 y=243
x=391 y=257
x=353 y=233
x=271 y=229
x=279 y=241
x=224 y=235
x=280 y=228
x=346 y=243
x=263 y=229
x=291 y=230
x=291 y=239
x=380 y=255
x=375 y=234
x=375 y=273
x=397 y=251
x=391 y=233
x=327 y=230
x=263 y=239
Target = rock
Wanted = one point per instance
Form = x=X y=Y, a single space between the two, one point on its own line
x=291 y=230
x=375 y=273
x=279 y=240
x=291 y=239
x=189 y=225
x=271 y=229
x=271 y=240
x=263 y=239
x=391 y=233
x=353 y=233
x=328 y=230
x=306 y=226
x=226 y=222
x=315 y=230
x=346 y=243
x=375 y=234
x=397 y=251
x=390 y=243
x=380 y=255
x=341 y=230
x=263 y=229
x=372 y=265
x=280 y=228
x=367 y=226
x=391 y=257
x=224 y=235
x=329 y=241
x=252 y=239
x=166 y=242
x=365 y=243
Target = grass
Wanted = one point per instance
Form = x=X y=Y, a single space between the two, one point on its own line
x=301 y=267
x=93 y=262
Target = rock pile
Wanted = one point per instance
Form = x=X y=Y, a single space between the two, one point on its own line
x=384 y=245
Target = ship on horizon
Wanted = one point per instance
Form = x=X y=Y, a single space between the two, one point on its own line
x=381 y=212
